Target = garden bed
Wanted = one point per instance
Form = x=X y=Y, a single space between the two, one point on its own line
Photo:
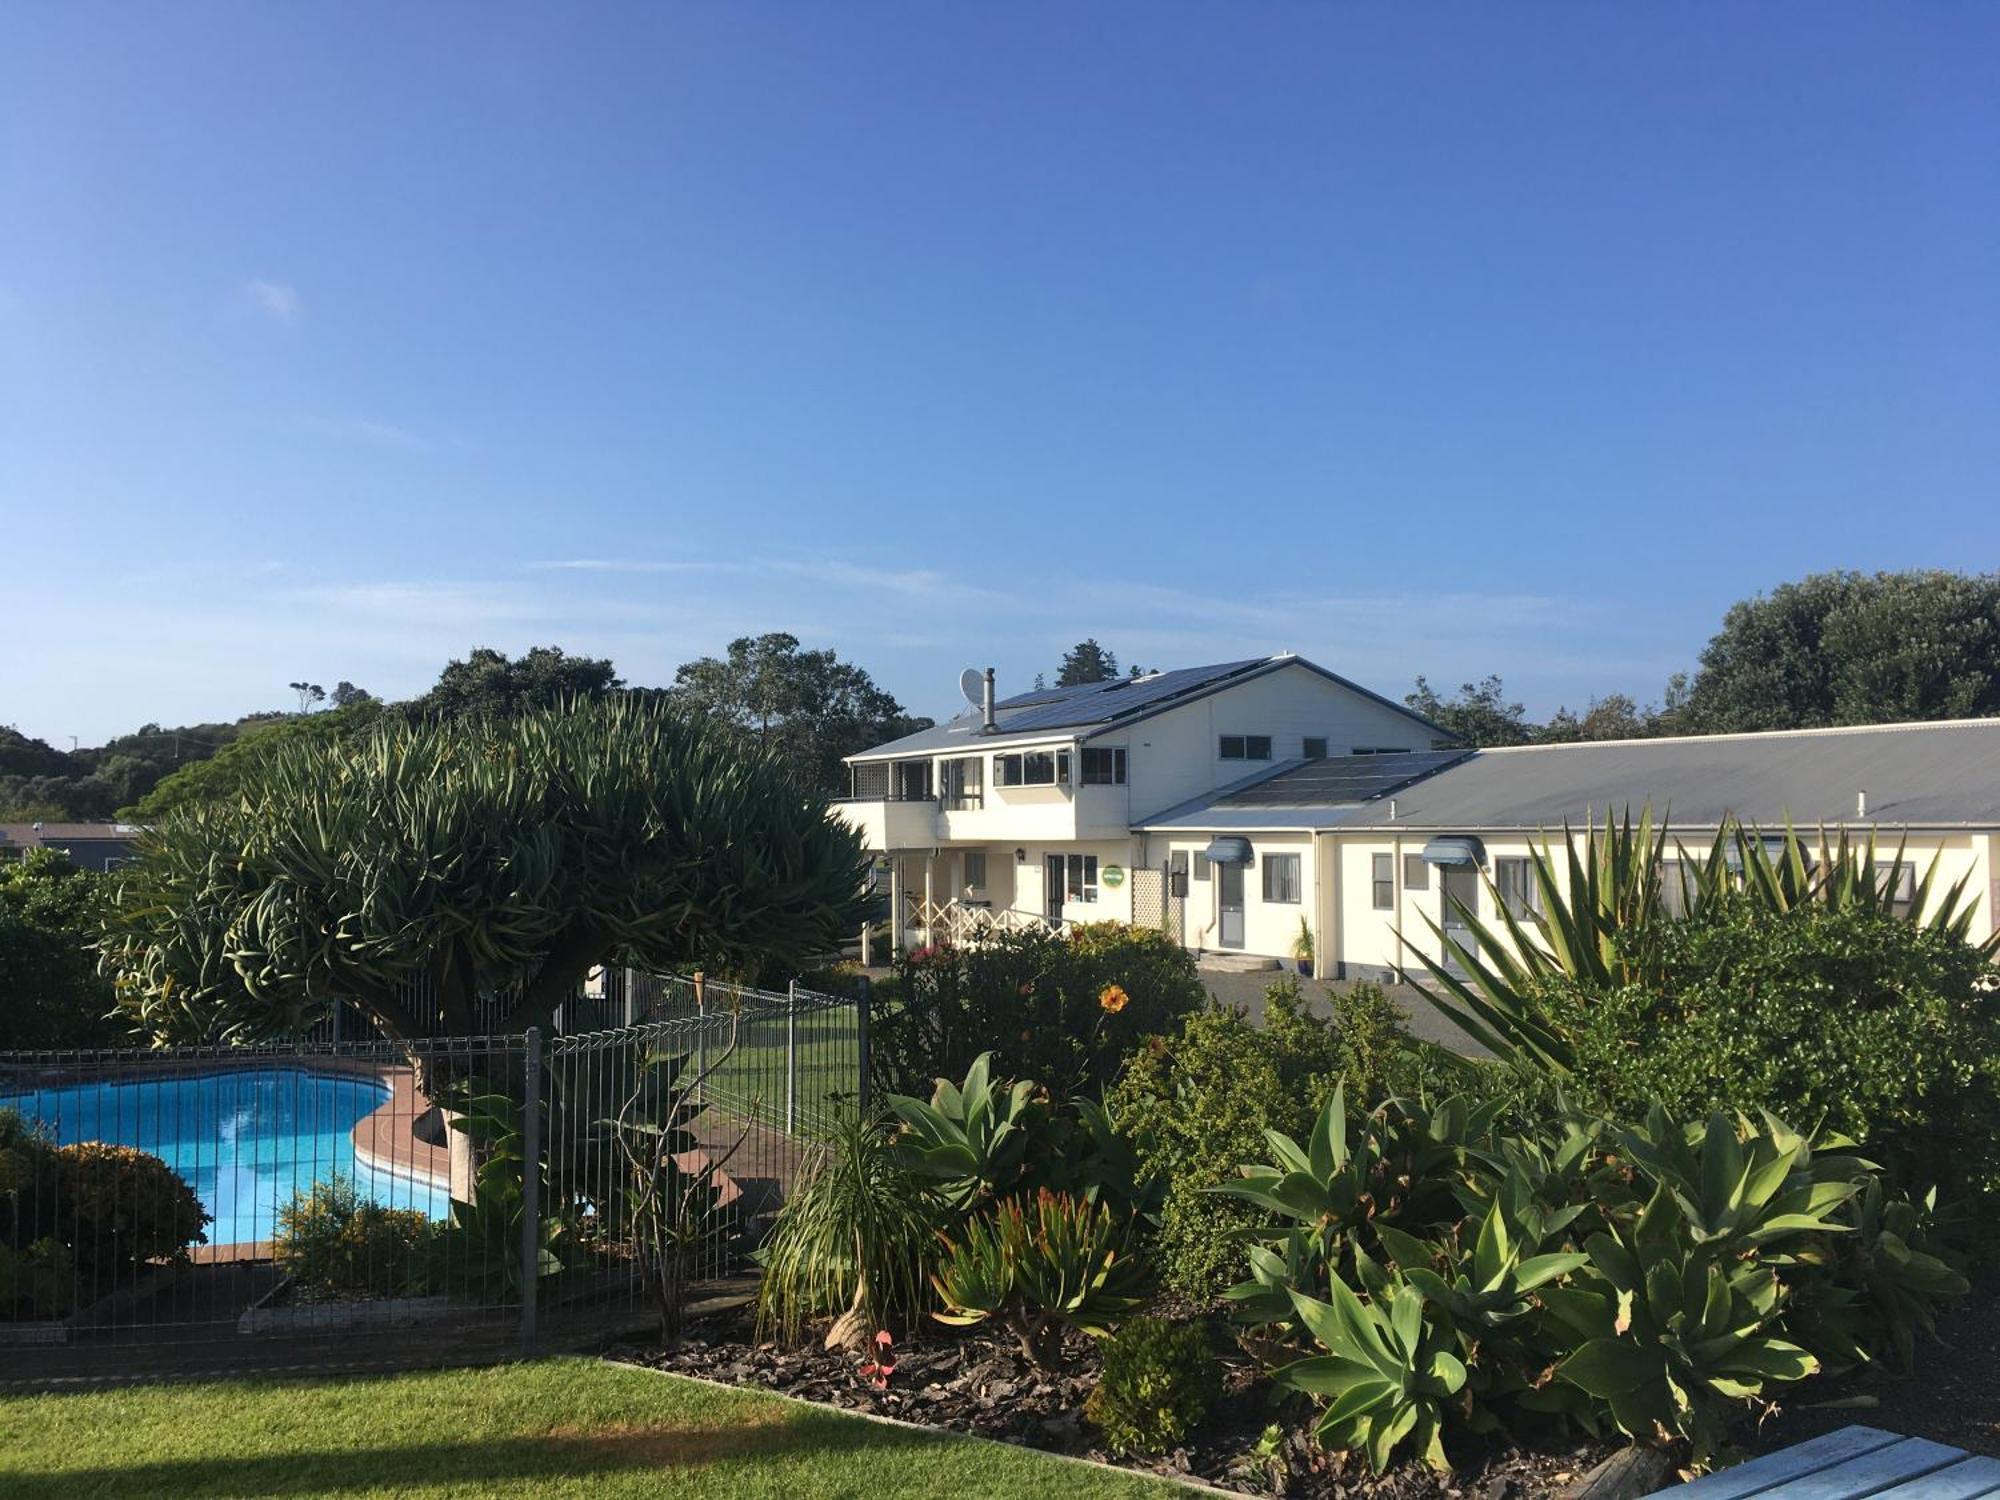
x=974 y=1382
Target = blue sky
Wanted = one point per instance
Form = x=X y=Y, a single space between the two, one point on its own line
x=1450 y=339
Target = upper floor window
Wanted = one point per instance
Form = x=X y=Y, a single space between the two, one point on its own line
x=1376 y=750
x=913 y=781
x=1382 y=881
x=1314 y=747
x=1032 y=768
x=964 y=782
x=1103 y=767
x=1245 y=747
x=1281 y=878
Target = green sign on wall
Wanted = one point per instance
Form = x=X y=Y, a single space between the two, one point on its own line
x=1112 y=875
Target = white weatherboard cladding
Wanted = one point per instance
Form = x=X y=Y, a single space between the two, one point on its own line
x=1173 y=756
x=1368 y=937
x=1270 y=928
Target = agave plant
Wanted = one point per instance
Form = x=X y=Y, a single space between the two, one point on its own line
x=1388 y=1373
x=1737 y=1185
x=1670 y=1337
x=971 y=1138
x=1878 y=1287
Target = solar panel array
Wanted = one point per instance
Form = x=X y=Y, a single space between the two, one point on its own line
x=1100 y=702
x=1343 y=778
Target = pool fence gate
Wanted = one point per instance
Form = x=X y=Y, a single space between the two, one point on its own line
x=349 y=1201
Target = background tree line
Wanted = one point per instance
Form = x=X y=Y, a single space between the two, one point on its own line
x=1831 y=649
x=809 y=708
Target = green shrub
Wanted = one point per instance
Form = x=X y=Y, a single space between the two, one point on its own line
x=1039 y=1266
x=1878 y=1028
x=1065 y=1010
x=30 y=1183
x=123 y=1206
x=1789 y=979
x=1201 y=1100
x=1159 y=1381
x=37 y=1279
x=49 y=916
x=1434 y=1272
x=858 y=1231
x=986 y=1138
x=329 y=1236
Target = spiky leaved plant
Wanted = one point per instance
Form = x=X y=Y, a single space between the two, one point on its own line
x=490 y=862
x=1604 y=896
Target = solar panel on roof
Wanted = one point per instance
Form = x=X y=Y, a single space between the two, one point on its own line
x=1101 y=702
x=1342 y=778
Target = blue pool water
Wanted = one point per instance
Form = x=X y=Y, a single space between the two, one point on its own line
x=245 y=1140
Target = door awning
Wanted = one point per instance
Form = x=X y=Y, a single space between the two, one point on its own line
x=1455 y=851
x=1228 y=851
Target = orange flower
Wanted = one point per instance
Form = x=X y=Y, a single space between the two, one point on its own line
x=1113 y=999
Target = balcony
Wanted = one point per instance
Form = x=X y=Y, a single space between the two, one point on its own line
x=892 y=822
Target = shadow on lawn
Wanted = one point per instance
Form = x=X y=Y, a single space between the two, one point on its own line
x=566 y=1453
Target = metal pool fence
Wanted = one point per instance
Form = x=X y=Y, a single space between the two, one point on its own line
x=367 y=1203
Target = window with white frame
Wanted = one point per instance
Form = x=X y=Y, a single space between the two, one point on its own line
x=964 y=783
x=1899 y=882
x=1520 y=892
x=1416 y=874
x=1244 y=747
x=1032 y=768
x=975 y=869
x=1281 y=878
x=1383 y=883
x=1103 y=767
x=1080 y=877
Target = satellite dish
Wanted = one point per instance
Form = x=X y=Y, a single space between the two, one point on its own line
x=972 y=685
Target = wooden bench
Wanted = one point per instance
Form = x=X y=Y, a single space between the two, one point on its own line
x=1850 y=1463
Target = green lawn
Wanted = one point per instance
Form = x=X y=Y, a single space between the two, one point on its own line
x=564 y=1427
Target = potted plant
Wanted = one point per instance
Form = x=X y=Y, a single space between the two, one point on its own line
x=1302 y=948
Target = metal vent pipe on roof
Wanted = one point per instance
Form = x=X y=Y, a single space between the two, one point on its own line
x=987 y=725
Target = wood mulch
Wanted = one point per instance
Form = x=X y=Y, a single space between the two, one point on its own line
x=1950 y=1395
x=974 y=1382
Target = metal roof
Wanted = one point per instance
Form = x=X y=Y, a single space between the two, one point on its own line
x=1916 y=775
x=1338 y=779
x=1093 y=707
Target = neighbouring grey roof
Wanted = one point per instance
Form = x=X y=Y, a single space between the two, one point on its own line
x=29 y=834
x=1916 y=775
x=1097 y=706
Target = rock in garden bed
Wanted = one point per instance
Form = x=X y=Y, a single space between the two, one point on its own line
x=977 y=1383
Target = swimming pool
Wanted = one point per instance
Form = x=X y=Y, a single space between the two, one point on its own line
x=244 y=1139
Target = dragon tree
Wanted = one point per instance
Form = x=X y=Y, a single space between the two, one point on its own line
x=492 y=862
